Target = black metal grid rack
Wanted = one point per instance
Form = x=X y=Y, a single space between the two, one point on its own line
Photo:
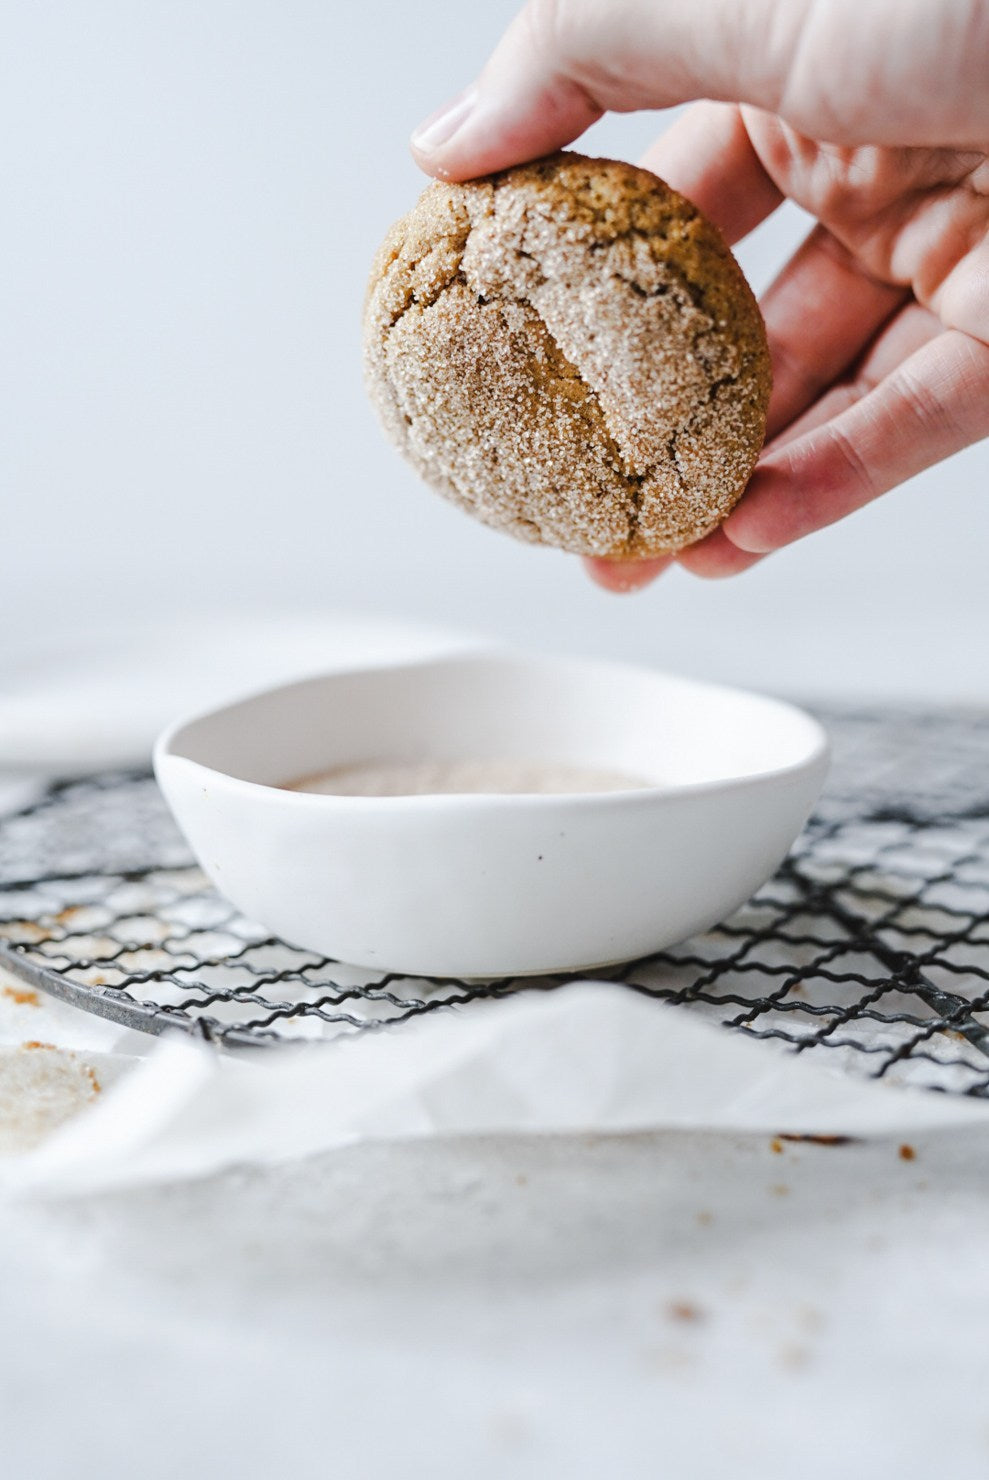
x=870 y=946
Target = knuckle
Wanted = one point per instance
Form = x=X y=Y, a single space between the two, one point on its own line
x=965 y=295
x=935 y=417
x=567 y=36
x=857 y=473
x=550 y=26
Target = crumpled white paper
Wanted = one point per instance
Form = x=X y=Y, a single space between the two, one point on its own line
x=589 y=1058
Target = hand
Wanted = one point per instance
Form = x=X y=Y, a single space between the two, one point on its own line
x=871 y=114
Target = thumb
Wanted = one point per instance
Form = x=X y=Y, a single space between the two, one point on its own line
x=562 y=63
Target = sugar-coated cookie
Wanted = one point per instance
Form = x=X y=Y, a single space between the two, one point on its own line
x=569 y=351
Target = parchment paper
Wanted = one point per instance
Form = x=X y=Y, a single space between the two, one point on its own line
x=589 y=1058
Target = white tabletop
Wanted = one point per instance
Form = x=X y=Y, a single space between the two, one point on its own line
x=659 y=1304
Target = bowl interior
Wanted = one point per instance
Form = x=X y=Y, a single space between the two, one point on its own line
x=668 y=731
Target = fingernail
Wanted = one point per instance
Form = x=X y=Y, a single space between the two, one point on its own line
x=439 y=128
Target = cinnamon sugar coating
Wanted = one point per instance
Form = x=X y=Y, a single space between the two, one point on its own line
x=569 y=351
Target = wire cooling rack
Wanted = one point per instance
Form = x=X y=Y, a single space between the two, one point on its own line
x=870 y=946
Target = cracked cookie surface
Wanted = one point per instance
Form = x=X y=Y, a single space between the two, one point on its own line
x=569 y=351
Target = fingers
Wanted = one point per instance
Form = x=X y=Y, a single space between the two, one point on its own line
x=840 y=72
x=933 y=404
x=821 y=313
x=715 y=557
x=712 y=558
x=529 y=100
x=562 y=63
x=962 y=301
x=708 y=156
x=906 y=332
x=622 y=577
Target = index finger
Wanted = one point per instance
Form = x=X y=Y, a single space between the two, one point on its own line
x=708 y=156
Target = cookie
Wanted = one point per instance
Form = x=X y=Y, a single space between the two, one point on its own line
x=569 y=351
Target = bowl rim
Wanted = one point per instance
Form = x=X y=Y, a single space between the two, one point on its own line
x=816 y=754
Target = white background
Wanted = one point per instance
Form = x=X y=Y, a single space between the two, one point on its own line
x=192 y=192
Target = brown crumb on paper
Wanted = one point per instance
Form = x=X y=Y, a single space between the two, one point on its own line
x=684 y=1310
x=907 y=1153
x=816 y=1140
x=33 y=1043
x=776 y=1145
x=23 y=996
x=25 y=932
x=794 y=1356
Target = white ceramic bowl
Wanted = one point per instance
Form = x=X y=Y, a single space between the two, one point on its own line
x=484 y=885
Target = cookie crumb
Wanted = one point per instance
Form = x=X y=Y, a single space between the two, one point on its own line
x=816 y=1140
x=794 y=1356
x=23 y=996
x=684 y=1310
